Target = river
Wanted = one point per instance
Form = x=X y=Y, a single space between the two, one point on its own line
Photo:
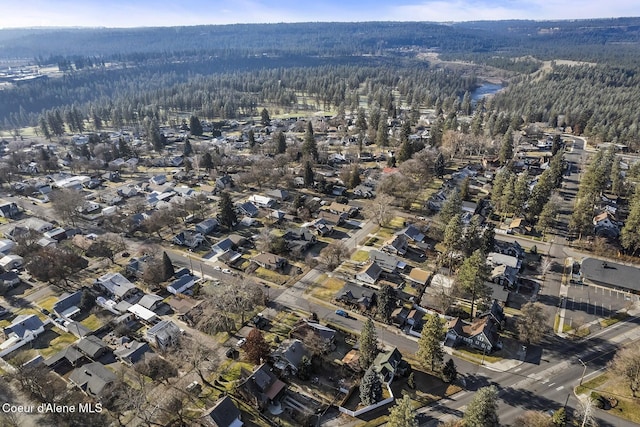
x=484 y=90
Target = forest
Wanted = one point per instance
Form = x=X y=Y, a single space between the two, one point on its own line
x=581 y=74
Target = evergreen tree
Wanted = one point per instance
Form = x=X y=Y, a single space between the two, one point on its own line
x=308 y=174
x=451 y=207
x=386 y=302
x=370 y=388
x=471 y=277
x=125 y=149
x=187 y=150
x=482 y=411
x=450 y=372
x=309 y=147
x=281 y=142
x=382 y=135
x=547 y=217
x=361 y=121
x=453 y=236
x=617 y=183
x=464 y=189
x=488 y=239
x=42 y=123
x=368 y=344
x=506 y=149
x=354 y=177
x=439 y=166
x=251 y=135
x=265 y=120
x=207 y=162
x=430 y=350
x=402 y=414
x=521 y=193
x=195 y=126
x=167 y=266
x=630 y=233
x=405 y=152
x=227 y=214
x=374 y=122
x=556 y=144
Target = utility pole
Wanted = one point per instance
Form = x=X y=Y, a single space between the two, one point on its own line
x=583 y=371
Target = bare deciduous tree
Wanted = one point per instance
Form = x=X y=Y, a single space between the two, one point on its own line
x=381 y=209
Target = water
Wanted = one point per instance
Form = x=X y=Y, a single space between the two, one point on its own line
x=484 y=90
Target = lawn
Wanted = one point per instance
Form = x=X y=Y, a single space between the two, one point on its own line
x=48 y=302
x=92 y=322
x=360 y=256
x=606 y=385
x=270 y=275
x=53 y=341
x=605 y=323
x=475 y=356
x=328 y=289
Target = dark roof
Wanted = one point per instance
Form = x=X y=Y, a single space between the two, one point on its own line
x=67 y=301
x=92 y=346
x=70 y=354
x=22 y=324
x=131 y=351
x=222 y=414
x=611 y=274
x=93 y=378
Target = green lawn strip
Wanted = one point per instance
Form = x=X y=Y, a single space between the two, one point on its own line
x=360 y=256
x=475 y=356
x=328 y=289
x=618 y=317
x=92 y=322
x=608 y=386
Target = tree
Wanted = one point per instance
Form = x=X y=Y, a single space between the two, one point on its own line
x=559 y=417
x=451 y=207
x=309 y=146
x=626 y=364
x=195 y=126
x=482 y=411
x=251 y=136
x=630 y=233
x=381 y=209
x=450 y=372
x=556 y=145
x=617 y=181
x=308 y=175
x=402 y=414
x=187 y=150
x=534 y=419
x=207 y=162
x=547 y=217
x=586 y=412
x=506 y=149
x=167 y=266
x=453 y=241
x=42 y=123
x=354 y=177
x=471 y=277
x=67 y=203
x=405 y=152
x=370 y=388
x=361 y=121
x=333 y=255
x=256 y=347
x=281 y=142
x=386 y=302
x=368 y=344
x=157 y=368
x=439 y=166
x=226 y=213
x=265 y=120
x=532 y=323
x=430 y=350
x=382 y=134
x=464 y=189
x=56 y=265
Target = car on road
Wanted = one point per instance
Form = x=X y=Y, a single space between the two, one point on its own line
x=217 y=268
x=241 y=342
x=342 y=313
x=226 y=271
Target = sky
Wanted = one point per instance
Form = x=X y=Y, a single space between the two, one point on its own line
x=147 y=13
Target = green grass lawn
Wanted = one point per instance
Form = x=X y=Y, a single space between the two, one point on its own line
x=618 y=317
x=270 y=275
x=608 y=385
x=328 y=289
x=360 y=256
x=92 y=322
x=48 y=302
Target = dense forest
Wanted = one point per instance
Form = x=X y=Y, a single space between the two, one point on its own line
x=118 y=76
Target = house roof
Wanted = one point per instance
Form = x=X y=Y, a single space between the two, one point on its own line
x=223 y=414
x=67 y=304
x=91 y=345
x=372 y=270
x=23 y=324
x=517 y=222
x=93 y=378
x=163 y=331
x=267 y=259
x=116 y=284
x=386 y=261
x=419 y=275
x=290 y=352
x=149 y=300
x=142 y=313
x=131 y=351
x=413 y=233
x=70 y=354
x=611 y=274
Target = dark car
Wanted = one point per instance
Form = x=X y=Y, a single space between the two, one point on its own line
x=342 y=313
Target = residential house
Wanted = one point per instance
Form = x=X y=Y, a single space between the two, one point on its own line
x=342 y=209
x=419 y=276
x=299 y=240
x=223 y=414
x=262 y=387
x=11 y=261
x=495 y=258
x=370 y=274
x=116 y=285
x=136 y=266
x=8 y=209
x=92 y=346
x=399 y=316
x=249 y=209
x=222 y=246
x=496 y=313
x=25 y=327
x=481 y=334
x=605 y=225
x=141 y=313
x=270 y=261
x=207 y=226
x=112 y=176
x=158 y=180
x=504 y=276
x=57 y=234
x=224 y=182
x=281 y=195
x=288 y=356
x=325 y=335
x=93 y=378
x=509 y=248
x=182 y=284
x=164 y=334
x=262 y=201
x=469 y=207
x=387 y=262
x=331 y=218
x=127 y=191
x=67 y=305
x=499 y=292
x=364 y=191
x=65 y=360
x=37 y=224
x=9 y=280
x=189 y=239
x=519 y=225
x=130 y=352
x=6 y=246
x=396 y=245
x=389 y=363
x=412 y=233
x=357 y=296
x=151 y=302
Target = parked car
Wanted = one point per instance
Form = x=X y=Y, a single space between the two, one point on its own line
x=241 y=342
x=217 y=268
x=226 y=271
x=342 y=313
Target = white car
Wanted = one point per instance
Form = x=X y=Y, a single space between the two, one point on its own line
x=241 y=342
x=217 y=268
x=226 y=271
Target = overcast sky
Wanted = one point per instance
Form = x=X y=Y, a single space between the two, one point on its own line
x=145 y=13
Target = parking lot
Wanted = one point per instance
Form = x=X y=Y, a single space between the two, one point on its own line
x=585 y=303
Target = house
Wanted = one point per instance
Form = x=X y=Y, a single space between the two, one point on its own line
x=389 y=364
x=182 y=284
x=399 y=316
x=325 y=335
x=163 y=335
x=223 y=414
x=188 y=238
x=127 y=191
x=281 y=195
x=519 y=225
x=262 y=387
x=8 y=209
x=495 y=259
x=37 y=224
x=248 y=209
x=509 y=248
x=387 y=262
x=11 y=261
x=342 y=209
x=116 y=285
x=67 y=305
x=364 y=192
x=299 y=239
x=92 y=346
x=481 y=334
x=58 y=234
x=288 y=356
x=412 y=233
x=504 y=276
x=469 y=207
x=6 y=246
x=142 y=313
x=112 y=176
x=370 y=274
x=332 y=218
x=77 y=329
x=606 y=225
x=158 y=180
x=130 y=352
x=419 y=276
x=496 y=313
x=262 y=201
x=9 y=280
x=207 y=226
x=357 y=296
x=396 y=245
x=270 y=261
x=224 y=182
x=136 y=266
x=322 y=227
x=65 y=359
x=93 y=378
x=25 y=327
x=151 y=302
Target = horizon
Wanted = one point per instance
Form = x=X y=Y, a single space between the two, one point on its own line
x=87 y=14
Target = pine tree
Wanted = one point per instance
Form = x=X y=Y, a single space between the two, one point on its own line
x=450 y=372
x=227 y=214
x=430 y=350
x=281 y=142
x=44 y=128
x=354 y=177
x=402 y=414
x=251 y=136
x=309 y=147
x=464 y=189
x=265 y=120
x=547 y=217
x=472 y=275
x=521 y=193
x=386 y=302
x=361 y=121
x=167 y=266
x=506 y=149
x=617 y=183
x=405 y=152
x=630 y=233
x=370 y=388
x=439 y=166
x=207 y=162
x=482 y=411
x=187 y=149
x=382 y=134
x=195 y=126
x=556 y=144
x=451 y=207
x=368 y=344
x=308 y=174
x=453 y=235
